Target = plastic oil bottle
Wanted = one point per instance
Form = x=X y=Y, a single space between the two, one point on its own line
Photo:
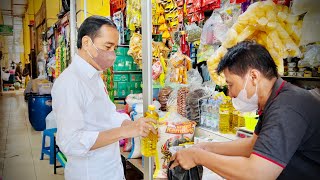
x=224 y=112
x=235 y=114
x=149 y=143
x=241 y=120
x=231 y=109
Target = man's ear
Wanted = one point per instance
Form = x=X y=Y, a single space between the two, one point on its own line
x=255 y=76
x=85 y=42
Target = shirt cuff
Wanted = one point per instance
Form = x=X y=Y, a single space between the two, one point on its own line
x=88 y=139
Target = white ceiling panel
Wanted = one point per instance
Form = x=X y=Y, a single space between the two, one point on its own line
x=20 y=1
x=7 y=20
x=5 y=4
x=17 y=20
x=19 y=9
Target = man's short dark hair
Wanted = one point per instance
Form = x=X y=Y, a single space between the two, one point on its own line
x=245 y=55
x=91 y=26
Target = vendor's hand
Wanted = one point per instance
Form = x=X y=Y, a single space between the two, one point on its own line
x=186 y=158
x=202 y=145
x=141 y=127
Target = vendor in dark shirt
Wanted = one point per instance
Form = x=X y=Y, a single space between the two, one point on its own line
x=286 y=142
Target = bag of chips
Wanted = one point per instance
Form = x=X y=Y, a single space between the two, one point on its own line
x=174 y=130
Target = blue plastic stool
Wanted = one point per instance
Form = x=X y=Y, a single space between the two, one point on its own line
x=50 y=151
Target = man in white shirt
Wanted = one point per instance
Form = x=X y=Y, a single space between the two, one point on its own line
x=89 y=127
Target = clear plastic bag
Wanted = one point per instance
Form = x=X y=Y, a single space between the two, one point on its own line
x=311 y=57
x=300 y=7
x=207 y=36
x=205 y=51
x=310 y=28
x=194 y=32
x=172 y=101
x=194 y=78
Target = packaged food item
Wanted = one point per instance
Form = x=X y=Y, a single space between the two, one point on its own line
x=174 y=131
x=179 y=65
x=224 y=121
x=181 y=101
x=268 y=24
x=149 y=143
x=163 y=97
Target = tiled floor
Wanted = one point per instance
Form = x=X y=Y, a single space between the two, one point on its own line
x=20 y=144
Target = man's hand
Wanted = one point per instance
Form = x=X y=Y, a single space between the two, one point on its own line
x=202 y=145
x=141 y=127
x=186 y=158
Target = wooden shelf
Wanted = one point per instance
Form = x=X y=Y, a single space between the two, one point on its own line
x=136 y=163
x=302 y=78
x=127 y=72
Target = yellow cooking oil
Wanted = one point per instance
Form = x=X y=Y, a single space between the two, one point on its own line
x=235 y=115
x=224 y=121
x=231 y=109
x=241 y=120
x=149 y=143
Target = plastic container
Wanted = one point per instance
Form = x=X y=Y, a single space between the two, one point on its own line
x=292 y=64
x=224 y=122
x=122 y=51
x=149 y=143
x=121 y=78
x=136 y=77
x=234 y=123
x=251 y=120
x=39 y=107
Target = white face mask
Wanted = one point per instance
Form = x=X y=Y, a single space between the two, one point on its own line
x=242 y=103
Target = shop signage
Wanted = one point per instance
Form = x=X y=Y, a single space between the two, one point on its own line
x=6 y=30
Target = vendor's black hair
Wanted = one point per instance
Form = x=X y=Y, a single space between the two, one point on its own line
x=245 y=55
x=91 y=26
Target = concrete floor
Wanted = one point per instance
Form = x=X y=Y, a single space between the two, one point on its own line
x=20 y=144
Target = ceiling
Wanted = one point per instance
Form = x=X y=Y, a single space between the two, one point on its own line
x=12 y=12
x=12 y=8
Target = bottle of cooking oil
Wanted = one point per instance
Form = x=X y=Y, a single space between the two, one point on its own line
x=241 y=120
x=231 y=109
x=149 y=143
x=224 y=122
x=235 y=114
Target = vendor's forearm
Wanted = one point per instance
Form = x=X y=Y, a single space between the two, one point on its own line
x=229 y=167
x=240 y=147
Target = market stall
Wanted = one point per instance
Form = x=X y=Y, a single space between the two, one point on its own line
x=175 y=41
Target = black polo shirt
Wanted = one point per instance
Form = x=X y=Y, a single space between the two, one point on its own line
x=289 y=132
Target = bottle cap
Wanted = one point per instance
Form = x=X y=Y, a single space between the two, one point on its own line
x=151 y=107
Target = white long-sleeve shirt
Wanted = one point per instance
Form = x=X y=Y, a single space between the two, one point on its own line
x=83 y=109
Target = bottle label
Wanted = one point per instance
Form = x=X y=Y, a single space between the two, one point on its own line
x=181 y=128
x=224 y=111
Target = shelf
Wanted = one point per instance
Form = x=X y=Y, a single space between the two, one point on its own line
x=136 y=163
x=302 y=78
x=202 y=131
x=118 y=72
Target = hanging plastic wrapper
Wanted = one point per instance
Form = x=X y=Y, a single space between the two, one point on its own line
x=178 y=67
x=268 y=24
x=133 y=14
x=311 y=57
x=194 y=32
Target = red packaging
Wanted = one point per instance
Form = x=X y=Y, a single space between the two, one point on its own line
x=179 y=3
x=282 y=2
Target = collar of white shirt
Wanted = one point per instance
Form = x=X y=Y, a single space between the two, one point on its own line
x=85 y=67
